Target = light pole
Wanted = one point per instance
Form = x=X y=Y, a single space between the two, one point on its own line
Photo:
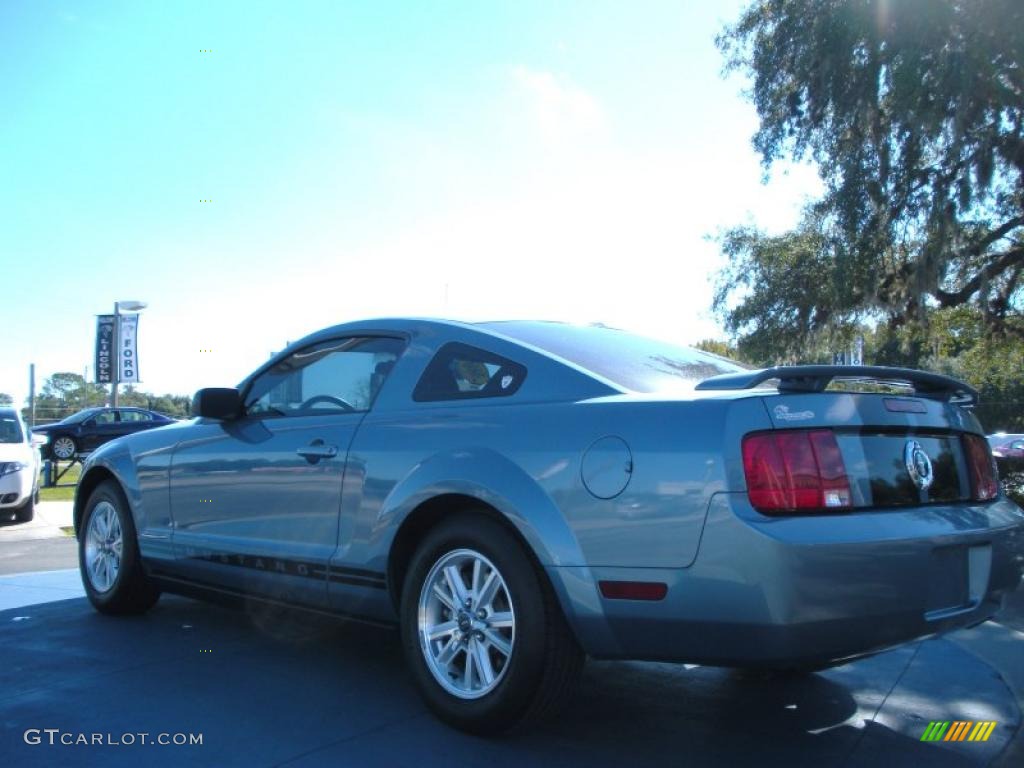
x=130 y=306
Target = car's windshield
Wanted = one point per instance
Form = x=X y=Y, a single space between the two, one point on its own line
x=633 y=362
x=75 y=418
x=10 y=429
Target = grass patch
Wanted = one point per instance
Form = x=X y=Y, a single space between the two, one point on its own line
x=68 y=530
x=65 y=491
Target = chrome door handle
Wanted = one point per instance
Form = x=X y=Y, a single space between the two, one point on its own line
x=317 y=451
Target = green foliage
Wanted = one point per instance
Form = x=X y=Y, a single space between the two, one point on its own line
x=178 y=406
x=6 y=399
x=720 y=348
x=956 y=342
x=66 y=393
x=914 y=112
x=797 y=296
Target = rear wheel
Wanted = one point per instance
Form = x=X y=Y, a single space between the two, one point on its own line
x=108 y=555
x=483 y=634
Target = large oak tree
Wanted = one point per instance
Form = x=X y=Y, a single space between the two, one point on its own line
x=913 y=111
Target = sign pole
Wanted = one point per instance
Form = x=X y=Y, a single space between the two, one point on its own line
x=31 y=395
x=116 y=374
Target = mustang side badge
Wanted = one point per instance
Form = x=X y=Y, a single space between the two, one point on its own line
x=919 y=465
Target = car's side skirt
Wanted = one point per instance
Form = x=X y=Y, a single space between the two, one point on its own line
x=216 y=593
x=358 y=577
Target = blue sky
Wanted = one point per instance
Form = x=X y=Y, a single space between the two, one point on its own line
x=472 y=160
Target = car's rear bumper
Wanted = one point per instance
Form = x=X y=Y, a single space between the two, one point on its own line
x=806 y=591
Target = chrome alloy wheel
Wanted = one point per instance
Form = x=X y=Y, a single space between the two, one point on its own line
x=466 y=624
x=64 y=448
x=103 y=546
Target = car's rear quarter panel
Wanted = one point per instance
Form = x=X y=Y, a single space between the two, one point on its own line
x=794 y=590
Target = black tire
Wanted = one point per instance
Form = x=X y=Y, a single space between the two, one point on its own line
x=540 y=674
x=26 y=512
x=131 y=590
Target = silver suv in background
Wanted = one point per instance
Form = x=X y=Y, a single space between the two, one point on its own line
x=19 y=467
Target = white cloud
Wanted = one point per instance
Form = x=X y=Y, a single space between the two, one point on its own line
x=560 y=110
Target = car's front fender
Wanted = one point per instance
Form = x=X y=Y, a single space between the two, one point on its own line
x=108 y=462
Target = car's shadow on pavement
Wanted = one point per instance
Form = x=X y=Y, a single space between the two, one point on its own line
x=273 y=688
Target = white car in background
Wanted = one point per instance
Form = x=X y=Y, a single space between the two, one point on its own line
x=19 y=467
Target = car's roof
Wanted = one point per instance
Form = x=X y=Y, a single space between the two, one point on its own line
x=112 y=408
x=616 y=360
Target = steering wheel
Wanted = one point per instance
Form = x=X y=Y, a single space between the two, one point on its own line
x=326 y=399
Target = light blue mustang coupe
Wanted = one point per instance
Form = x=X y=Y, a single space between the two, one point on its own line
x=518 y=495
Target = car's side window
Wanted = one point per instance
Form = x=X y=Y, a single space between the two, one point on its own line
x=134 y=416
x=106 y=417
x=337 y=376
x=460 y=372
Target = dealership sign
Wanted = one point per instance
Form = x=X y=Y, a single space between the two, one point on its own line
x=128 y=352
x=104 y=349
x=125 y=357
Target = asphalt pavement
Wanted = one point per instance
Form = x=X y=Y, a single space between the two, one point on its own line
x=281 y=689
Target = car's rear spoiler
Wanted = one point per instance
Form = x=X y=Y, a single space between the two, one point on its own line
x=815 y=378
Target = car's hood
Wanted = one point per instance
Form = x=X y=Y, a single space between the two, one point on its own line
x=154 y=439
x=16 y=452
x=44 y=428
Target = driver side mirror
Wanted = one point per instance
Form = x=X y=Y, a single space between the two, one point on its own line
x=38 y=441
x=217 y=403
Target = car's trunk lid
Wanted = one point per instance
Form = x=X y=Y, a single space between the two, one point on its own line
x=878 y=436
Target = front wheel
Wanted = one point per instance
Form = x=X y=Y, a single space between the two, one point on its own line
x=108 y=555
x=483 y=634
x=26 y=512
x=64 y=448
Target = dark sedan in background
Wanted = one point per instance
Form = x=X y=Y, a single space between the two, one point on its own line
x=83 y=431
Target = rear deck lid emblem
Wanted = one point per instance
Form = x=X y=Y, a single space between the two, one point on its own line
x=782 y=413
x=919 y=465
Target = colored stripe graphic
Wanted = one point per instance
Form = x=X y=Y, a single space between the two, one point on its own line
x=986 y=731
x=954 y=730
x=959 y=730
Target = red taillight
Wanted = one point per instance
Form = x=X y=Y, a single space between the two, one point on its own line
x=795 y=470
x=984 y=478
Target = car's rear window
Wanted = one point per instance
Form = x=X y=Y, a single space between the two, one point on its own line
x=462 y=372
x=633 y=362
